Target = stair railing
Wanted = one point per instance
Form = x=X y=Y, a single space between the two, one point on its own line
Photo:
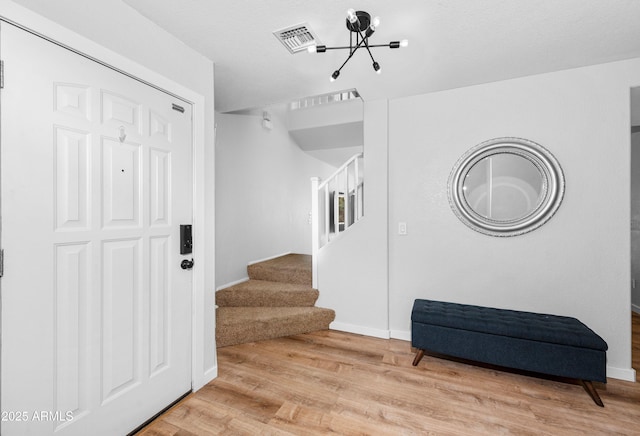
x=336 y=204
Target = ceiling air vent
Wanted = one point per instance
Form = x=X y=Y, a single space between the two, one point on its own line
x=297 y=38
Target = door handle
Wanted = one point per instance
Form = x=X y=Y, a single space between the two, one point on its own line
x=186 y=264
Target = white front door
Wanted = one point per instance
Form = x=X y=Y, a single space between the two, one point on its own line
x=96 y=177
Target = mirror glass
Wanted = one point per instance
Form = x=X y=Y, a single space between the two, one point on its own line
x=506 y=186
x=503 y=187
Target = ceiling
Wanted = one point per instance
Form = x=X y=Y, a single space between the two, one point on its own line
x=452 y=43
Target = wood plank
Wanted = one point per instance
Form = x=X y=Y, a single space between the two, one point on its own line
x=163 y=428
x=336 y=382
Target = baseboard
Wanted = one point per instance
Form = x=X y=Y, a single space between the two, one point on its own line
x=359 y=330
x=635 y=308
x=268 y=258
x=232 y=283
x=626 y=374
x=401 y=334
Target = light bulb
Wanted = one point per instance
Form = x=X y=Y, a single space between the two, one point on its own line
x=404 y=43
x=351 y=16
x=375 y=22
x=312 y=48
x=334 y=76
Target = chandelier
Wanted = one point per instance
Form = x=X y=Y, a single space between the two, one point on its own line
x=361 y=27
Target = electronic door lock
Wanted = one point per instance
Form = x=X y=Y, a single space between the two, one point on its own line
x=186 y=243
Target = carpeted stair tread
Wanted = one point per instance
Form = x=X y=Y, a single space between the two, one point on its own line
x=276 y=301
x=264 y=293
x=237 y=325
x=290 y=268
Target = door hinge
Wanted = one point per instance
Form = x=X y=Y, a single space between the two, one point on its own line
x=1 y=74
x=1 y=263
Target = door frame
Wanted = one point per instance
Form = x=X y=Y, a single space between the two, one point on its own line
x=29 y=21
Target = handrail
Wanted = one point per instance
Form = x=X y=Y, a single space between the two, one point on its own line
x=340 y=170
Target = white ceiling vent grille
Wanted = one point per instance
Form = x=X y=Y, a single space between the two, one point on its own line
x=297 y=38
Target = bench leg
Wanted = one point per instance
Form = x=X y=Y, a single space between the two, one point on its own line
x=588 y=386
x=418 y=357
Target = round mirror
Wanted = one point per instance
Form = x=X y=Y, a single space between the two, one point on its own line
x=506 y=187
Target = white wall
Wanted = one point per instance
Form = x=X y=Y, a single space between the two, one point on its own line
x=331 y=132
x=635 y=219
x=263 y=195
x=353 y=268
x=113 y=32
x=577 y=264
x=118 y=27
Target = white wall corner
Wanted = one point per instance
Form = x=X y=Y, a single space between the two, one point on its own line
x=404 y=335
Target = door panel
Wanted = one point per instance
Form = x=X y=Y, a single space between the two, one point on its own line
x=120 y=183
x=96 y=175
x=71 y=309
x=71 y=154
x=120 y=334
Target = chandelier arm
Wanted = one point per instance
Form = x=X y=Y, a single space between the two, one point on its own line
x=346 y=60
x=358 y=46
x=351 y=53
x=378 y=45
x=339 y=48
x=345 y=48
x=351 y=49
x=366 y=45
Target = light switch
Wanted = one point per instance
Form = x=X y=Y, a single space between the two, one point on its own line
x=402 y=228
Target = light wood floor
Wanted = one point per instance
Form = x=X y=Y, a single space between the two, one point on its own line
x=333 y=382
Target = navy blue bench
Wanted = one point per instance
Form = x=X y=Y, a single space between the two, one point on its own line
x=547 y=344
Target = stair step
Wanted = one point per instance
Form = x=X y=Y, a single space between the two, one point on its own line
x=264 y=293
x=238 y=325
x=290 y=268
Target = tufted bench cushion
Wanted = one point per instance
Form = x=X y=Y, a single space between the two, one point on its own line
x=547 y=344
x=525 y=325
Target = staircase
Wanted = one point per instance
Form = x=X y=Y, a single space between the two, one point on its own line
x=276 y=301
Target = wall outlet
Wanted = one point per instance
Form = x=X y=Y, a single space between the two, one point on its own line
x=402 y=228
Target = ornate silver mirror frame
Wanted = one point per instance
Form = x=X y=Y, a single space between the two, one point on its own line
x=506 y=187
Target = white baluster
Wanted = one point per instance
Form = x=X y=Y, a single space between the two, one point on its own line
x=356 y=194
